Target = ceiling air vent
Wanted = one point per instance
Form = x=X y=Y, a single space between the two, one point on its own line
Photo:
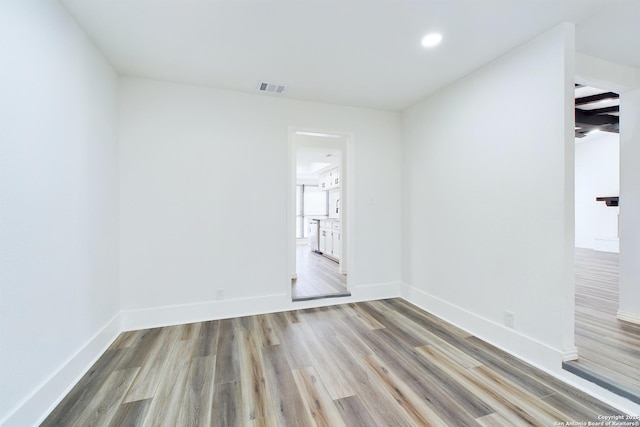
x=271 y=87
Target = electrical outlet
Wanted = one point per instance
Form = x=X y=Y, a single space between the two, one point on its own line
x=219 y=294
x=508 y=319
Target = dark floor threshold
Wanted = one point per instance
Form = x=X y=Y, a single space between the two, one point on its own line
x=575 y=368
x=346 y=294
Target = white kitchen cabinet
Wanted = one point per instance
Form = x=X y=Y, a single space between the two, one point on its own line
x=324 y=181
x=329 y=179
x=336 y=244
x=322 y=240
x=335 y=178
x=330 y=239
x=328 y=245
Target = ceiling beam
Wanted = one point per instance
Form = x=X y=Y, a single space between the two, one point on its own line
x=613 y=128
x=590 y=122
x=605 y=110
x=594 y=98
x=595 y=119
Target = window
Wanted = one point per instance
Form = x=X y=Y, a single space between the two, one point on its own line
x=311 y=202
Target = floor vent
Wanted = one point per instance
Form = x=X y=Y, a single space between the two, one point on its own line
x=271 y=87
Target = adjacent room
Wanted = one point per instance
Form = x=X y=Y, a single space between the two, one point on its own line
x=320 y=227
x=607 y=346
x=312 y=213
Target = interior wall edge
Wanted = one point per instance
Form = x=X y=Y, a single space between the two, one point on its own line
x=567 y=321
x=37 y=405
x=548 y=360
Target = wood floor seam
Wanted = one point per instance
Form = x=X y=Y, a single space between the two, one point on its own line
x=379 y=363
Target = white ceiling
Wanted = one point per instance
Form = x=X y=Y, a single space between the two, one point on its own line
x=317 y=153
x=329 y=156
x=311 y=160
x=363 y=53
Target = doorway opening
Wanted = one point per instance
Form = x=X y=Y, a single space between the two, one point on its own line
x=319 y=257
x=606 y=345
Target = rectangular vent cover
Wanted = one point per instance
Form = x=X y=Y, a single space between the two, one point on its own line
x=271 y=87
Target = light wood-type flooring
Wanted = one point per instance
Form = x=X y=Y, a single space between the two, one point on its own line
x=379 y=363
x=318 y=277
x=608 y=348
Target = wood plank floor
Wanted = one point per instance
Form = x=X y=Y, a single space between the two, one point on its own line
x=318 y=277
x=608 y=348
x=379 y=363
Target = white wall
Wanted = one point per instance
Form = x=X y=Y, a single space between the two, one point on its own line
x=203 y=185
x=58 y=235
x=597 y=174
x=629 y=308
x=192 y=220
x=488 y=200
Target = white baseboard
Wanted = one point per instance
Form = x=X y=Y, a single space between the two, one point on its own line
x=189 y=313
x=500 y=336
x=547 y=359
x=606 y=396
x=569 y=355
x=377 y=291
x=35 y=407
x=628 y=317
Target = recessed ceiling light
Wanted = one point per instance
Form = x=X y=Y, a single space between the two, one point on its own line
x=431 y=40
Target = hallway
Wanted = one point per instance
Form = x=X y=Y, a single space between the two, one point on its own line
x=318 y=277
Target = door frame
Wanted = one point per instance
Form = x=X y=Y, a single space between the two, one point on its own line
x=347 y=191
